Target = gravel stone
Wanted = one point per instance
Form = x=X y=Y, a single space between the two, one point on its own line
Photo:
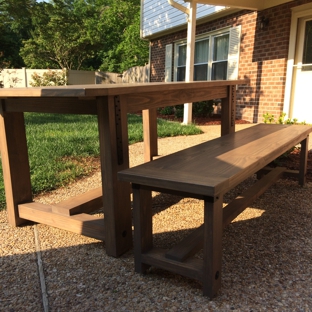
x=267 y=254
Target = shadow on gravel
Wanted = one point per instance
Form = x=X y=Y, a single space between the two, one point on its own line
x=267 y=265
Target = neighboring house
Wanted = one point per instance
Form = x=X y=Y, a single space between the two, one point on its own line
x=272 y=46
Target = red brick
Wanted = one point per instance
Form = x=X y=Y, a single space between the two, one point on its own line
x=263 y=58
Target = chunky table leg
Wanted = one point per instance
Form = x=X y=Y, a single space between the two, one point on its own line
x=15 y=164
x=150 y=134
x=213 y=225
x=114 y=155
x=142 y=215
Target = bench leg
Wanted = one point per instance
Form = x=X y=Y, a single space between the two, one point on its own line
x=228 y=110
x=213 y=218
x=150 y=134
x=142 y=216
x=303 y=161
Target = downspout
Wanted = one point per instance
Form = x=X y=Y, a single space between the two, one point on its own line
x=149 y=43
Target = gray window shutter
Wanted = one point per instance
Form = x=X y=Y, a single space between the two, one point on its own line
x=234 y=48
x=168 y=63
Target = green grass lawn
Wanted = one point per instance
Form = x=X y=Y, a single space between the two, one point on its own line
x=62 y=148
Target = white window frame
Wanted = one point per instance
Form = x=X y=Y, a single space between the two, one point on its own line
x=209 y=53
x=210 y=36
x=297 y=13
x=212 y=51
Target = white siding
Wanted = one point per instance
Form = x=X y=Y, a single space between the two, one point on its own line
x=159 y=15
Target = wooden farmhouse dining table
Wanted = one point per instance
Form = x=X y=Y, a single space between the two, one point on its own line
x=111 y=103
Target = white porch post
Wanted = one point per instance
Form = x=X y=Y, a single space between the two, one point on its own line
x=189 y=73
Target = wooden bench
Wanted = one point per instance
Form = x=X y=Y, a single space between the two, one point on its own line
x=207 y=171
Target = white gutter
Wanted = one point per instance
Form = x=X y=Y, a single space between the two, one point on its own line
x=179 y=7
x=254 y=5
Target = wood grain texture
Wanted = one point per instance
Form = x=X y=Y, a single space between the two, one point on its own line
x=114 y=89
x=15 y=164
x=150 y=134
x=56 y=105
x=84 y=203
x=116 y=194
x=213 y=229
x=154 y=99
x=142 y=217
x=218 y=165
x=192 y=268
x=113 y=136
x=83 y=224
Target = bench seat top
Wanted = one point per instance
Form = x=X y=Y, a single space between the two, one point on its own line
x=216 y=166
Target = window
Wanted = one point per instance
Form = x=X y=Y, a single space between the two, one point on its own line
x=220 y=57
x=215 y=56
x=307 y=50
x=201 y=60
x=181 y=62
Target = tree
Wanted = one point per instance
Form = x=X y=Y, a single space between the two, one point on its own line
x=85 y=34
x=15 y=26
x=132 y=50
x=123 y=46
x=2 y=66
x=17 y=14
x=63 y=35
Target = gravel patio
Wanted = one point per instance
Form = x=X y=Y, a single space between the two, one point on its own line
x=267 y=255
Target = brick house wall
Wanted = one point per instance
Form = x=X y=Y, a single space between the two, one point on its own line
x=263 y=58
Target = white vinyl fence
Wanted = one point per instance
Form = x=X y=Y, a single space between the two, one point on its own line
x=134 y=74
x=15 y=78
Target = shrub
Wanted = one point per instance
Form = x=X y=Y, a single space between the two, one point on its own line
x=168 y=110
x=203 y=109
x=49 y=78
x=3 y=65
x=178 y=111
x=200 y=109
x=269 y=118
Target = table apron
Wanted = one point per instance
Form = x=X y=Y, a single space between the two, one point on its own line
x=59 y=105
x=150 y=100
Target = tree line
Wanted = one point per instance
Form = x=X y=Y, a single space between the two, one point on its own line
x=72 y=34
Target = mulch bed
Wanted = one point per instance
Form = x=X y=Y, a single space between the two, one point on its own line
x=201 y=121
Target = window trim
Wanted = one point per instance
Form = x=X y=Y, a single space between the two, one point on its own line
x=209 y=36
